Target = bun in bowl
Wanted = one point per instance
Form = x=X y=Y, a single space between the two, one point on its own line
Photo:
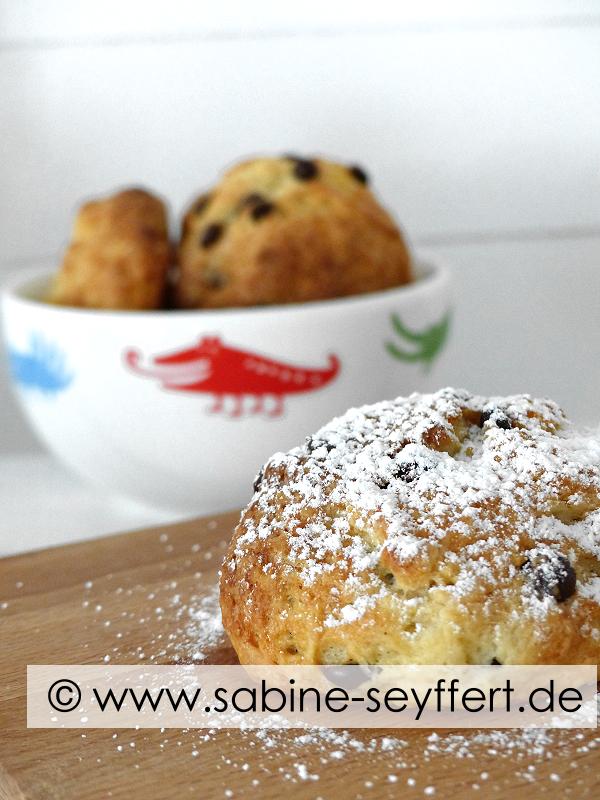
x=287 y=230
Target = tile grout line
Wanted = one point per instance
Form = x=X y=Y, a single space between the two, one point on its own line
x=449 y=239
x=509 y=235
x=574 y=21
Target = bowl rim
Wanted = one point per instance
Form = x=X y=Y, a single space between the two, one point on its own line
x=430 y=276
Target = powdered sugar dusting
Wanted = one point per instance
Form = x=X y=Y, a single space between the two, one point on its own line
x=495 y=761
x=205 y=627
x=491 y=491
x=167 y=618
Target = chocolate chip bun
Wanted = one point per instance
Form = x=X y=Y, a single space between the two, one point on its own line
x=284 y=230
x=118 y=256
x=433 y=529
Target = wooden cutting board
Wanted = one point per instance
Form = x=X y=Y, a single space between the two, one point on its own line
x=150 y=596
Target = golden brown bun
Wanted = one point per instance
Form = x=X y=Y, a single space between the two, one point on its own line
x=283 y=230
x=434 y=529
x=118 y=256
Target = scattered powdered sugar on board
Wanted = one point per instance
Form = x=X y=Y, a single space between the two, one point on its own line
x=179 y=620
x=421 y=762
x=182 y=613
x=205 y=627
x=185 y=628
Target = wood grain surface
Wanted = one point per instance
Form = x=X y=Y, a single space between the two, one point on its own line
x=143 y=597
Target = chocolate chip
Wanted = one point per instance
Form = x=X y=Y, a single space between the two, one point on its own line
x=407 y=471
x=353 y=443
x=305 y=170
x=555 y=578
x=383 y=483
x=261 y=210
x=214 y=280
x=211 y=234
x=495 y=663
x=252 y=199
x=313 y=444
x=498 y=418
x=359 y=174
x=201 y=203
x=258 y=205
x=259 y=479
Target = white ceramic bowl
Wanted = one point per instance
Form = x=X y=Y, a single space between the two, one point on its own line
x=180 y=408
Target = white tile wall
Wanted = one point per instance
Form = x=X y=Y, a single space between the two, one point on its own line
x=477 y=120
x=48 y=22
x=463 y=131
x=527 y=318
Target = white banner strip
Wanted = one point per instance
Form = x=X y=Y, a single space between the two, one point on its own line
x=84 y=696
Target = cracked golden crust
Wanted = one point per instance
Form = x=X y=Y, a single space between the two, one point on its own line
x=320 y=238
x=463 y=594
x=118 y=256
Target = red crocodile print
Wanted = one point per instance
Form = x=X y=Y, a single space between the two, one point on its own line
x=212 y=367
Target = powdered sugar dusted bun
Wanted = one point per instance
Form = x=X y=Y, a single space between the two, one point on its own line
x=433 y=529
x=118 y=256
